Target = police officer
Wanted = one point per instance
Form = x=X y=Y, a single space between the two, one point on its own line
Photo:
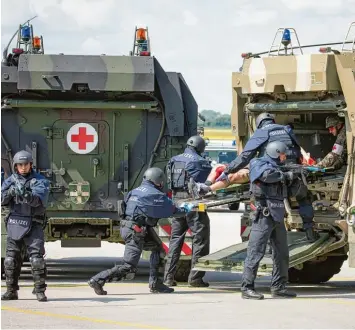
x=26 y=194
x=268 y=131
x=338 y=156
x=141 y=210
x=269 y=191
x=180 y=169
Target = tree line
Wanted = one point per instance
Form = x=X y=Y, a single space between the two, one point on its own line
x=211 y=118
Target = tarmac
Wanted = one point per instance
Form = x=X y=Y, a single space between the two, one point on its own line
x=72 y=304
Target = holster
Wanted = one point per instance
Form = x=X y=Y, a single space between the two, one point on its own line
x=141 y=231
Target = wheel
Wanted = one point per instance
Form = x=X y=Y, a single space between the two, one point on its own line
x=234 y=206
x=318 y=271
x=182 y=271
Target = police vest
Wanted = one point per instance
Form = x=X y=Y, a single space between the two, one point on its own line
x=25 y=209
x=185 y=166
x=280 y=133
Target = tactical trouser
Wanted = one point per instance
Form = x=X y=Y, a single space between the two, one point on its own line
x=34 y=243
x=199 y=223
x=303 y=196
x=264 y=229
x=135 y=243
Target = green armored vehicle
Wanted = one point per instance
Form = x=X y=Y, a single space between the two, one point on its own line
x=93 y=124
x=302 y=90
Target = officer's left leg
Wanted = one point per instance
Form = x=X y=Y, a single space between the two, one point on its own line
x=259 y=236
x=153 y=243
x=280 y=256
x=199 y=223
x=34 y=242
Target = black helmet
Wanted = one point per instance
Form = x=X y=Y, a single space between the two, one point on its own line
x=197 y=142
x=155 y=175
x=274 y=149
x=263 y=116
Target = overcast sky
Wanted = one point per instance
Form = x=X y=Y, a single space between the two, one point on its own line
x=202 y=39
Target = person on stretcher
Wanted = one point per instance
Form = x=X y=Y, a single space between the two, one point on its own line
x=199 y=189
x=211 y=185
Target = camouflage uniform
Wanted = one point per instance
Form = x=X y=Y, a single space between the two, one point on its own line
x=337 y=157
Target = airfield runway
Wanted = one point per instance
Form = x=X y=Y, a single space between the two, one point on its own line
x=72 y=304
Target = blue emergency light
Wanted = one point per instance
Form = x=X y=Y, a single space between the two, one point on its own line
x=25 y=33
x=286 y=38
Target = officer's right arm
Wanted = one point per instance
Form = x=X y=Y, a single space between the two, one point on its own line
x=160 y=206
x=271 y=176
x=249 y=152
x=6 y=195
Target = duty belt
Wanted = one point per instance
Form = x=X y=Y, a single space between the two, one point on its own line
x=262 y=209
x=132 y=225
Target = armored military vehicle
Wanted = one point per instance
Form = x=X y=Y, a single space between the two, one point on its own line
x=302 y=90
x=93 y=124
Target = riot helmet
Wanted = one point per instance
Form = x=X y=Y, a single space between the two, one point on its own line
x=197 y=142
x=275 y=149
x=21 y=157
x=264 y=116
x=155 y=175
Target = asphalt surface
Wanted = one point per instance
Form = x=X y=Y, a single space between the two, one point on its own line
x=72 y=304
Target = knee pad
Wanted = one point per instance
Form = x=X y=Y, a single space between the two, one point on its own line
x=38 y=263
x=10 y=263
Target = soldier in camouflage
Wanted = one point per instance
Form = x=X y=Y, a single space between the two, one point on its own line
x=337 y=157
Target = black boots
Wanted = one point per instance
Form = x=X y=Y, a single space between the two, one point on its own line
x=198 y=284
x=159 y=287
x=252 y=294
x=282 y=293
x=275 y=293
x=10 y=295
x=98 y=288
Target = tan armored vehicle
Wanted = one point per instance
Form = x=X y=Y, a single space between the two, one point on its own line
x=302 y=90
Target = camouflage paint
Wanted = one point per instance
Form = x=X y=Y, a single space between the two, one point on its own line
x=142 y=115
x=282 y=84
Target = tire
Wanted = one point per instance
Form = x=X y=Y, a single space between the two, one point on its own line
x=234 y=206
x=182 y=271
x=316 y=272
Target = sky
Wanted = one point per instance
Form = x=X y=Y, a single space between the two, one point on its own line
x=202 y=39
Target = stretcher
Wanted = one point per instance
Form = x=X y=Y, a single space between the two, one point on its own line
x=233 y=194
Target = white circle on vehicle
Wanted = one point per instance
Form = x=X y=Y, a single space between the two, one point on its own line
x=82 y=138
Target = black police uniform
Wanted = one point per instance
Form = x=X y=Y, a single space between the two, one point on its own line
x=24 y=224
x=269 y=190
x=270 y=132
x=180 y=169
x=144 y=206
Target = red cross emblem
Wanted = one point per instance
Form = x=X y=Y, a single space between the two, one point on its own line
x=82 y=138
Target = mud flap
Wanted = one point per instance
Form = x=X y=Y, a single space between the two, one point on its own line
x=231 y=259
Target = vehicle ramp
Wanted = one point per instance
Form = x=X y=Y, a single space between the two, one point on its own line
x=231 y=259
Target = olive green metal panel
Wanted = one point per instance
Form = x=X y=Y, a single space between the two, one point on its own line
x=232 y=259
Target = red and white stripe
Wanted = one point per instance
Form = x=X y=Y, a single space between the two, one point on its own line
x=165 y=231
